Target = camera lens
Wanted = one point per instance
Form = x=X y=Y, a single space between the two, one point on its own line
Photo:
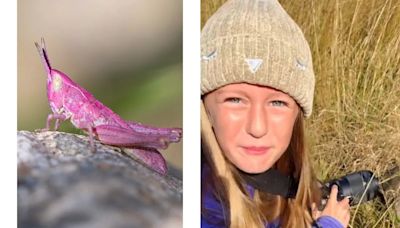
x=354 y=186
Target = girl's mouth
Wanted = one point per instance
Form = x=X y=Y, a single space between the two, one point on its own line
x=255 y=150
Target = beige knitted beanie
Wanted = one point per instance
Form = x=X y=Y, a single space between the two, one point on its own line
x=257 y=42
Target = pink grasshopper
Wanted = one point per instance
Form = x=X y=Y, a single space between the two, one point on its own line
x=68 y=100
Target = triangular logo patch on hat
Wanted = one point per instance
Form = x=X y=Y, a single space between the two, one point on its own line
x=254 y=64
x=210 y=56
x=302 y=66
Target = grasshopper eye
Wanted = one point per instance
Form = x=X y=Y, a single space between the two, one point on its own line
x=57 y=83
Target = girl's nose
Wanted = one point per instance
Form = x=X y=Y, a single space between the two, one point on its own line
x=257 y=121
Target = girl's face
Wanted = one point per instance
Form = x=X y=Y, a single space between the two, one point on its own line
x=253 y=124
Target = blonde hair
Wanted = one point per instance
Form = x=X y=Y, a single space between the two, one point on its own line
x=264 y=207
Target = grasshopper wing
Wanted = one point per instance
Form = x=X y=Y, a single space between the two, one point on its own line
x=172 y=134
x=127 y=137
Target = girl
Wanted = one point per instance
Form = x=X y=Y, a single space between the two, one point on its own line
x=257 y=87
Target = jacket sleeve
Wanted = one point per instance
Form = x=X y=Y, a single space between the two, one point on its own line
x=327 y=222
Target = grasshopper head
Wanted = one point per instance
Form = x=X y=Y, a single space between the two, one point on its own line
x=54 y=78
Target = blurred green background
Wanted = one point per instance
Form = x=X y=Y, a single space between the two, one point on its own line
x=128 y=54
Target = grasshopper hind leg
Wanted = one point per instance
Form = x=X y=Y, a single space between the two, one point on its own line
x=151 y=158
x=91 y=139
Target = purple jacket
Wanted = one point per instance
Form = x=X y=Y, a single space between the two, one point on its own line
x=216 y=215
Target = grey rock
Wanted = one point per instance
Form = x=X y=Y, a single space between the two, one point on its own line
x=61 y=183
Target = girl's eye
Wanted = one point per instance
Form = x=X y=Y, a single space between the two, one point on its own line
x=278 y=103
x=235 y=100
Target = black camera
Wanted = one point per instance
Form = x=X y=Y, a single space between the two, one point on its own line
x=359 y=187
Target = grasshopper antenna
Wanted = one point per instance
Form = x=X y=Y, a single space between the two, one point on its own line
x=43 y=55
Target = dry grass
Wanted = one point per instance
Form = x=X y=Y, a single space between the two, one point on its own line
x=356 y=118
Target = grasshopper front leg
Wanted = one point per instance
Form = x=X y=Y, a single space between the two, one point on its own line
x=57 y=117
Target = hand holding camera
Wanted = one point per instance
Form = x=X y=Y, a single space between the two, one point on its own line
x=358 y=187
x=338 y=209
x=339 y=194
